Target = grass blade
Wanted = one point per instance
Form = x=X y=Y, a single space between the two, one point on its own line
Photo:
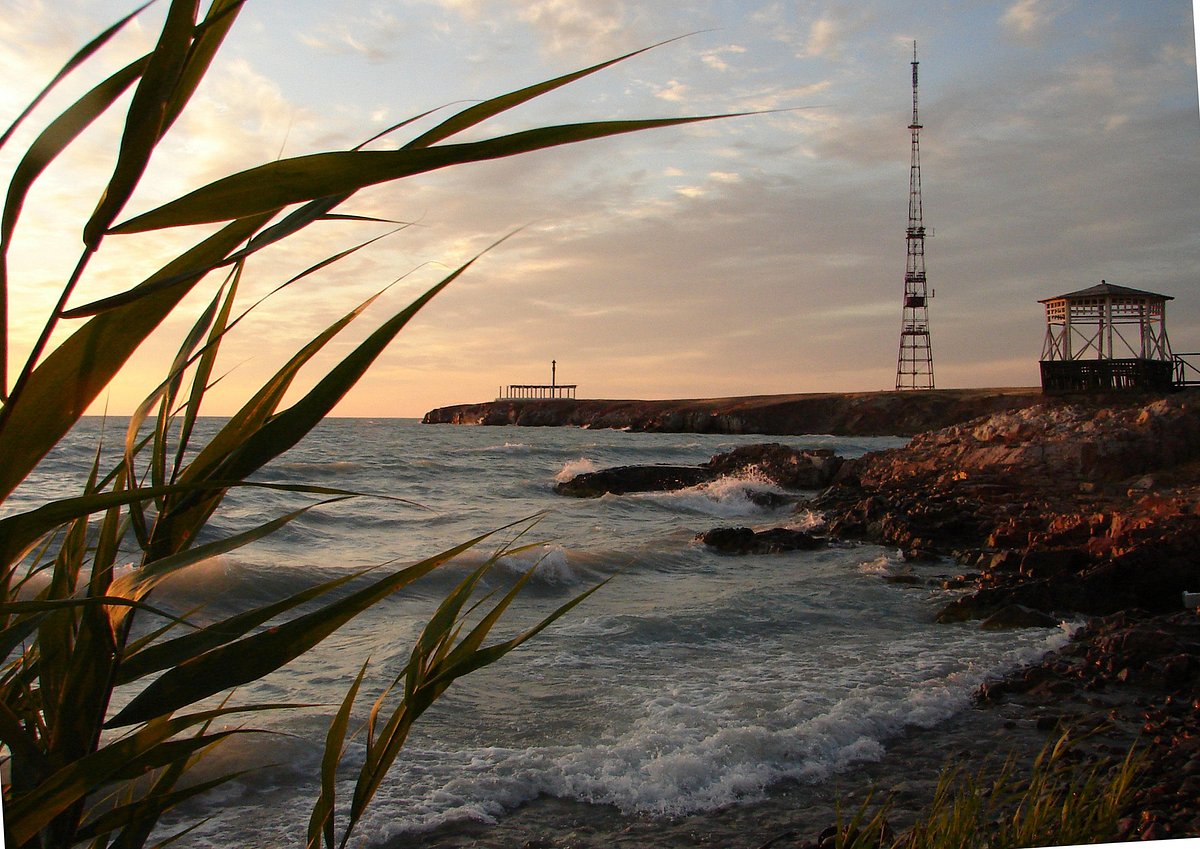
x=255 y=656
x=279 y=184
x=146 y=120
x=59 y=390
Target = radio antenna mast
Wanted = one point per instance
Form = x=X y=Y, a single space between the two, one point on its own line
x=914 y=365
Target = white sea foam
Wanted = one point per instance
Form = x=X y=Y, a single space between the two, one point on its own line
x=551 y=564
x=572 y=468
x=691 y=749
x=724 y=498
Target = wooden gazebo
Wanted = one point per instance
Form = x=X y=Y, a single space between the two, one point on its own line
x=1107 y=337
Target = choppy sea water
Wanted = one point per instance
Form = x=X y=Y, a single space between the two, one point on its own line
x=691 y=685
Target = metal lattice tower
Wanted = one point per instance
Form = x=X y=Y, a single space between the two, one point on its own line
x=914 y=366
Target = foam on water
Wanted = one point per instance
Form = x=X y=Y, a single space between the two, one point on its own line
x=724 y=498
x=699 y=744
x=574 y=468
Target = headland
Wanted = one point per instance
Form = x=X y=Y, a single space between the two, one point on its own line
x=838 y=413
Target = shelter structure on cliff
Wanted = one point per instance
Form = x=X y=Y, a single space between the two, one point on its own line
x=526 y=391
x=1107 y=337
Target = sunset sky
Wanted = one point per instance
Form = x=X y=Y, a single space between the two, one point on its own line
x=754 y=255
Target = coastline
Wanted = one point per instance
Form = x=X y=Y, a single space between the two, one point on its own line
x=1083 y=509
x=887 y=413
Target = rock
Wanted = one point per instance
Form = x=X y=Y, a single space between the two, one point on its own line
x=771 y=463
x=787 y=467
x=625 y=479
x=749 y=541
x=1017 y=616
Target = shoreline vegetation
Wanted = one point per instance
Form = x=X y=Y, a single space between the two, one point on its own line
x=1082 y=509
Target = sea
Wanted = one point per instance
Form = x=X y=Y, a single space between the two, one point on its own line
x=695 y=699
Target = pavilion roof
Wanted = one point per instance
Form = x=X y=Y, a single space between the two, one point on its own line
x=1105 y=288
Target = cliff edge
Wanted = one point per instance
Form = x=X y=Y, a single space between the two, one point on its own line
x=843 y=414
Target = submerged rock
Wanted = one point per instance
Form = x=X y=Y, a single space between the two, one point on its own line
x=749 y=541
x=770 y=463
x=625 y=479
x=1018 y=616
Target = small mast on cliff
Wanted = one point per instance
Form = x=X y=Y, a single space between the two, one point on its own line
x=914 y=365
x=553 y=389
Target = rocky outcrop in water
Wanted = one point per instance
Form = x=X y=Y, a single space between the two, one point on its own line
x=1064 y=509
x=750 y=541
x=771 y=463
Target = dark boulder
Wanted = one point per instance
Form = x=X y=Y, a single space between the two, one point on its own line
x=625 y=479
x=1018 y=616
x=772 y=463
x=749 y=541
x=790 y=468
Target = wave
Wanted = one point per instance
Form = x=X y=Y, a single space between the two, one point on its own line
x=725 y=498
x=574 y=468
x=697 y=748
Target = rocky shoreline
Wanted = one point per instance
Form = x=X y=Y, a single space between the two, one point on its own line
x=1051 y=511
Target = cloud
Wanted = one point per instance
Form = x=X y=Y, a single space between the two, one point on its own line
x=1030 y=18
x=674 y=91
x=822 y=38
x=715 y=58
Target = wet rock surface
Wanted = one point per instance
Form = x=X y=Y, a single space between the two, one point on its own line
x=770 y=463
x=750 y=541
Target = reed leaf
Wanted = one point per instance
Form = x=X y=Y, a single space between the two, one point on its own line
x=158 y=656
x=26 y=814
x=321 y=823
x=146 y=120
x=59 y=390
x=298 y=180
x=480 y=112
x=253 y=657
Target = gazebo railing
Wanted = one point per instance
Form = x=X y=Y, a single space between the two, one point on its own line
x=1187 y=369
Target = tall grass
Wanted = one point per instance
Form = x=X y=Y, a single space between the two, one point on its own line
x=76 y=770
x=1059 y=801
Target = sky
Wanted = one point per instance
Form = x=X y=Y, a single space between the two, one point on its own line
x=753 y=255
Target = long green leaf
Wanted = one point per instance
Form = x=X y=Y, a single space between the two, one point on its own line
x=44 y=150
x=282 y=183
x=159 y=656
x=146 y=120
x=60 y=389
x=27 y=814
x=208 y=39
x=204 y=370
x=255 y=656
x=480 y=112
x=78 y=59
x=320 y=823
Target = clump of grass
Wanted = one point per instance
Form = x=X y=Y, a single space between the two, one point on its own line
x=1058 y=801
x=77 y=771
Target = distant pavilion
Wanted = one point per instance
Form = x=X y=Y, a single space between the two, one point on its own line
x=553 y=389
x=1108 y=337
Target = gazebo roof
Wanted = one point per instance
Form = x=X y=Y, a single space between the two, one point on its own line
x=1105 y=288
